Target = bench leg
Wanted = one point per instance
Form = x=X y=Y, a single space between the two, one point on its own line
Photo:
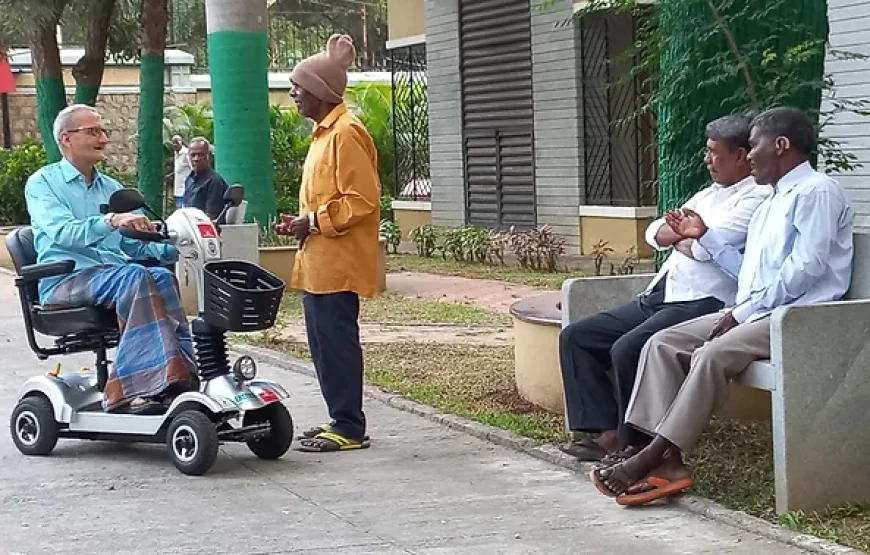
x=821 y=407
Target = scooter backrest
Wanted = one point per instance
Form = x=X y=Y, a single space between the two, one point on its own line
x=19 y=243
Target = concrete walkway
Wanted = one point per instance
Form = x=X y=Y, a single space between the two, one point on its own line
x=421 y=488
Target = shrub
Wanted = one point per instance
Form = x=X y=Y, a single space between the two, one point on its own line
x=426 y=239
x=16 y=165
x=392 y=234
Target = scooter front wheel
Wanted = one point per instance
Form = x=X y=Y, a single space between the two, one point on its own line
x=34 y=429
x=192 y=442
x=280 y=435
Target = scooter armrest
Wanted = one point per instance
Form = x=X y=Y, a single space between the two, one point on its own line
x=36 y=272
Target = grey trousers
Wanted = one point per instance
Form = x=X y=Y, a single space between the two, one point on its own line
x=683 y=379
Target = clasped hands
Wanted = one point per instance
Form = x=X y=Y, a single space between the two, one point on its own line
x=688 y=224
x=298 y=226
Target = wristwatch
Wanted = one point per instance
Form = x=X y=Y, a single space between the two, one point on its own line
x=312 y=223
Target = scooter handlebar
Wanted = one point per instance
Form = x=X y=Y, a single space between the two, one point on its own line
x=152 y=236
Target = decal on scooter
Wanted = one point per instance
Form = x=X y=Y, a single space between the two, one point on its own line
x=206 y=230
x=242 y=397
x=268 y=396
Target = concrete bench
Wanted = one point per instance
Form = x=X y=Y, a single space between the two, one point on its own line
x=818 y=377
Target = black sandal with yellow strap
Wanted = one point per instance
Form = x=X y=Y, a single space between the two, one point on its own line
x=316 y=430
x=328 y=442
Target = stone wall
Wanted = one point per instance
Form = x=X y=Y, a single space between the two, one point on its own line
x=120 y=113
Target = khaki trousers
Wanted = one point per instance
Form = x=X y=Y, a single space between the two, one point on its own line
x=683 y=379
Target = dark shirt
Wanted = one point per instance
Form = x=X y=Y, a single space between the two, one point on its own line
x=205 y=190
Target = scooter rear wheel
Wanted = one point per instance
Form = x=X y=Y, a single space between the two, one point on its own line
x=34 y=429
x=192 y=442
x=280 y=436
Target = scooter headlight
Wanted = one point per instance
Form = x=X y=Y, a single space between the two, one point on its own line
x=245 y=368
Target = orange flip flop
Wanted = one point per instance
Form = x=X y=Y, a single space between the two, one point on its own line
x=662 y=488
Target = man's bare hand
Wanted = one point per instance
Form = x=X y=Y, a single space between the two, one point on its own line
x=723 y=326
x=686 y=223
x=133 y=221
x=283 y=227
x=301 y=228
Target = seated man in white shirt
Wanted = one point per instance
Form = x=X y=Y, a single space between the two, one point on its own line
x=688 y=286
x=798 y=251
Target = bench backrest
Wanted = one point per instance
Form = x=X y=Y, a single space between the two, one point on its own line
x=860 y=286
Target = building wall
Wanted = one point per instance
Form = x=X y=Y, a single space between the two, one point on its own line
x=445 y=112
x=405 y=18
x=558 y=125
x=120 y=113
x=850 y=31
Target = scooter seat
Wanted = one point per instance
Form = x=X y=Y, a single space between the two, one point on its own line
x=70 y=321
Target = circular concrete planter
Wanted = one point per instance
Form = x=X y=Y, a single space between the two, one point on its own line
x=537 y=323
x=279 y=261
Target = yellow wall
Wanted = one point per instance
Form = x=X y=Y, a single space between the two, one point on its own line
x=406 y=18
x=112 y=76
x=409 y=220
x=620 y=233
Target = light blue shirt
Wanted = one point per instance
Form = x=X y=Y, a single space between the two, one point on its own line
x=67 y=223
x=798 y=247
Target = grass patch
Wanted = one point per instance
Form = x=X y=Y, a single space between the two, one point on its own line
x=389 y=308
x=848 y=525
x=471 y=381
x=511 y=274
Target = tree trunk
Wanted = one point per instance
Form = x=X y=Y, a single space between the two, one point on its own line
x=88 y=71
x=150 y=154
x=238 y=60
x=48 y=72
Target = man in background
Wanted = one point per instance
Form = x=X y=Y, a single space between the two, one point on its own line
x=181 y=169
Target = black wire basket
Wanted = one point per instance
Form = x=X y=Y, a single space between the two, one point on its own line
x=240 y=296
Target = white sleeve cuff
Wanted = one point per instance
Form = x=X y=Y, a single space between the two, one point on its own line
x=651 y=232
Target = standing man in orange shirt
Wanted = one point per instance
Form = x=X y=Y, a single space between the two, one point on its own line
x=337 y=229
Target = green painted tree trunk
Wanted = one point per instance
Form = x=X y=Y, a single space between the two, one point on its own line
x=150 y=149
x=701 y=77
x=88 y=71
x=238 y=62
x=48 y=72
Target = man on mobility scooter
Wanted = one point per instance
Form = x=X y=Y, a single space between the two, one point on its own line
x=81 y=282
x=155 y=356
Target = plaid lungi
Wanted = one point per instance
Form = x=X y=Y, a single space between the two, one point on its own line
x=155 y=349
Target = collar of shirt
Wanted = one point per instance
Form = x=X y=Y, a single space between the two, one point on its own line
x=70 y=174
x=330 y=119
x=792 y=178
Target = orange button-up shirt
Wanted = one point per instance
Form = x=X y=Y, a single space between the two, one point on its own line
x=340 y=184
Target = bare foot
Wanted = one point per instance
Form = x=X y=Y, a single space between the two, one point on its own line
x=672 y=469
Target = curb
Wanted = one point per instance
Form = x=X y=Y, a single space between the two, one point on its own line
x=550 y=454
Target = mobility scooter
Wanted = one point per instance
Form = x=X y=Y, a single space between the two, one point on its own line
x=232 y=404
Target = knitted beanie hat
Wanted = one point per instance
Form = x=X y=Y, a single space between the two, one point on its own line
x=325 y=74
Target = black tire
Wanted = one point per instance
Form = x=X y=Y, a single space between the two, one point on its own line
x=33 y=427
x=281 y=435
x=192 y=442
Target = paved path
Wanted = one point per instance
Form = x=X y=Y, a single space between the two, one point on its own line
x=421 y=488
x=492 y=295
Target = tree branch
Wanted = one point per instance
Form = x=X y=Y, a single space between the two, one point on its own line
x=732 y=44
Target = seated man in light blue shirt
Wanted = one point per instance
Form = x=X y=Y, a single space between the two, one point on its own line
x=798 y=251
x=155 y=357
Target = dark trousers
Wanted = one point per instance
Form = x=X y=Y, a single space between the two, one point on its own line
x=331 y=322
x=613 y=339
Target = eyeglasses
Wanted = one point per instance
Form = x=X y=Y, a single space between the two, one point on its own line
x=92 y=131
